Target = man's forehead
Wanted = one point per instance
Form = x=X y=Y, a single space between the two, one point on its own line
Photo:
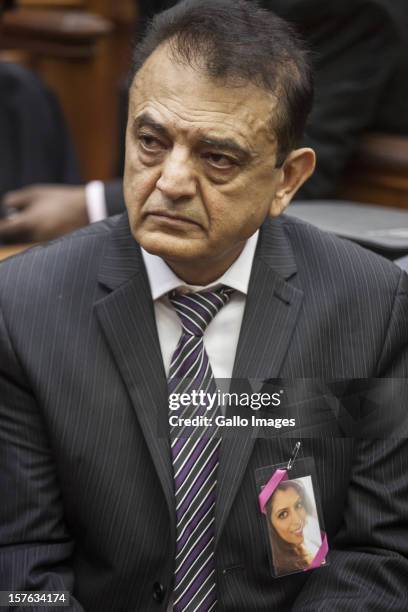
x=164 y=77
x=187 y=97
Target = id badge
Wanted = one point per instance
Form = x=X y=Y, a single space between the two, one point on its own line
x=290 y=504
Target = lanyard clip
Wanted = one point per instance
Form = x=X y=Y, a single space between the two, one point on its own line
x=294 y=455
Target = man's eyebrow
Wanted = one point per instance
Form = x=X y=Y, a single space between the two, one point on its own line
x=226 y=144
x=146 y=120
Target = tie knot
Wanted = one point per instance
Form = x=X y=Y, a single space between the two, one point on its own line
x=197 y=310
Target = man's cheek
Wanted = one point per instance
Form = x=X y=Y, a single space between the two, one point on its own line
x=138 y=186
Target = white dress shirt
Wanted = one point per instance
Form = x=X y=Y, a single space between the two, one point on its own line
x=221 y=335
x=95 y=201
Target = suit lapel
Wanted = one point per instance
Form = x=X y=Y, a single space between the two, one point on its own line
x=271 y=311
x=126 y=315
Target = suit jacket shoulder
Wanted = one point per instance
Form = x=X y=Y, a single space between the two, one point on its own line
x=321 y=252
x=354 y=304
x=68 y=262
x=353 y=318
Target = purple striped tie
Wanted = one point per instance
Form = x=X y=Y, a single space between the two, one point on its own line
x=195 y=459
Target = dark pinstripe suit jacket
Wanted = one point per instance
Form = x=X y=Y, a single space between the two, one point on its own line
x=86 y=483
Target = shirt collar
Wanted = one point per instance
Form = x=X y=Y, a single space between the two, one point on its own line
x=162 y=279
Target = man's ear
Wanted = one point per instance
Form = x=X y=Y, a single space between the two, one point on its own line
x=298 y=166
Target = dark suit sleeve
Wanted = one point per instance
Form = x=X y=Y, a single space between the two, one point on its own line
x=35 y=144
x=369 y=556
x=114 y=198
x=35 y=546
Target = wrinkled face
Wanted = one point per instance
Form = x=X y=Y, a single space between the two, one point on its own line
x=200 y=174
x=288 y=515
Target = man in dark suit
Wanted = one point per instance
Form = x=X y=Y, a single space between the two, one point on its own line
x=96 y=327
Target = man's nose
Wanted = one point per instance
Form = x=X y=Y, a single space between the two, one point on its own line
x=177 y=179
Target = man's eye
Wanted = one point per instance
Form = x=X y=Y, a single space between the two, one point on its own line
x=219 y=161
x=150 y=143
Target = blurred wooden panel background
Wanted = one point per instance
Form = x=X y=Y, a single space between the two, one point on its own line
x=50 y=3
x=81 y=48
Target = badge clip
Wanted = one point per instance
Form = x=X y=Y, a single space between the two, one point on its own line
x=294 y=455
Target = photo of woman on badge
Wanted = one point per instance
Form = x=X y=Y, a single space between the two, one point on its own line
x=294 y=530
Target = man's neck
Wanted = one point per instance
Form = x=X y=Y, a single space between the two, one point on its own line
x=203 y=273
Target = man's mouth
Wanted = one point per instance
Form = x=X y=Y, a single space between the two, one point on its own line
x=169 y=218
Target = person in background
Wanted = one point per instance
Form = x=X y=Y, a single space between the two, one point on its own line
x=35 y=144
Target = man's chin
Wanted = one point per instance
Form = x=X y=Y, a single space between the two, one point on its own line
x=169 y=248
